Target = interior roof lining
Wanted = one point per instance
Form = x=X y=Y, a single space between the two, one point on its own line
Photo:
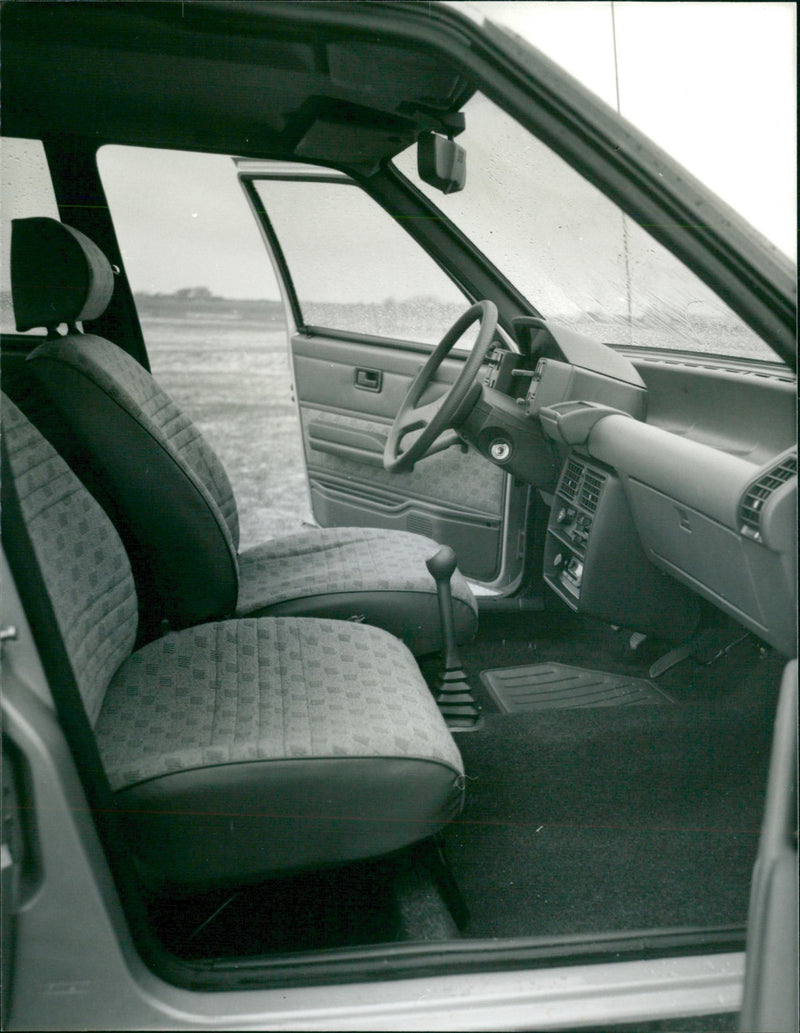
x=231 y=89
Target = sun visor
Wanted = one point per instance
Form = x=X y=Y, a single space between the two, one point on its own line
x=340 y=141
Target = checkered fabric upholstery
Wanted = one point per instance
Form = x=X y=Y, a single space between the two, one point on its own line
x=265 y=717
x=263 y=689
x=343 y=559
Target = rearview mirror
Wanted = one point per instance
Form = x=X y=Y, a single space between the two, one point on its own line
x=441 y=163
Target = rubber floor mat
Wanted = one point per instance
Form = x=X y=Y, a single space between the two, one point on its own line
x=560 y=687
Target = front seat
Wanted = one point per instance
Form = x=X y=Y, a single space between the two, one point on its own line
x=172 y=500
x=235 y=750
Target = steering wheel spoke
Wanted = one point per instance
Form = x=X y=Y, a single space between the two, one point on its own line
x=446 y=440
x=434 y=420
x=417 y=418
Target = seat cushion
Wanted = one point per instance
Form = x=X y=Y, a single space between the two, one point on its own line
x=360 y=574
x=245 y=748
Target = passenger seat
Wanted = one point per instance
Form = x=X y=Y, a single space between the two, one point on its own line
x=172 y=499
x=238 y=749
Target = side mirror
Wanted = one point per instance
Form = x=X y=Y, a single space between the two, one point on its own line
x=441 y=163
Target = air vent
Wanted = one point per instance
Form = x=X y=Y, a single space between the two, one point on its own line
x=590 y=492
x=420 y=524
x=571 y=479
x=756 y=496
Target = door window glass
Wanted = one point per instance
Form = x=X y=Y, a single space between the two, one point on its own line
x=212 y=320
x=354 y=268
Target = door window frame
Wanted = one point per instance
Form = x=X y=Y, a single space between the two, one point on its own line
x=250 y=172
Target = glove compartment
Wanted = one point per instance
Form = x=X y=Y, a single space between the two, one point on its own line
x=690 y=505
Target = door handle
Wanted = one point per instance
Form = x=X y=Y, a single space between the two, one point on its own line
x=369 y=379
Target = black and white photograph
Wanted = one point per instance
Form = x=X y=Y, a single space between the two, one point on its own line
x=399 y=515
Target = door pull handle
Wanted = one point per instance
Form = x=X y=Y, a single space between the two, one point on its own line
x=369 y=379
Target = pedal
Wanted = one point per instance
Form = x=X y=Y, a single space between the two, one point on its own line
x=672 y=659
x=705 y=648
x=714 y=652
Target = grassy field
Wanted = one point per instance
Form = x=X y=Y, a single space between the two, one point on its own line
x=232 y=377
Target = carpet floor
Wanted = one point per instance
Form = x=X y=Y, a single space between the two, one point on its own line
x=613 y=818
x=609 y=819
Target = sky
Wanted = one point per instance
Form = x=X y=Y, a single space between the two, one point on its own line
x=713 y=83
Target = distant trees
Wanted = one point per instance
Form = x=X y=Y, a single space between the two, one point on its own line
x=193 y=294
x=201 y=302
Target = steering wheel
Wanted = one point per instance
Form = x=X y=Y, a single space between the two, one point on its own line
x=437 y=420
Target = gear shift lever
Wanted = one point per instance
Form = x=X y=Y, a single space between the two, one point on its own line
x=453 y=694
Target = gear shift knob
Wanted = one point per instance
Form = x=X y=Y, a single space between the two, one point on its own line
x=442 y=565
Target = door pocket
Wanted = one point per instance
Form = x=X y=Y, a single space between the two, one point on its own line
x=337 y=440
x=477 y=541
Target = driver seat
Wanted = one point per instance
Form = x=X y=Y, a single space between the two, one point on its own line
x=169 y=494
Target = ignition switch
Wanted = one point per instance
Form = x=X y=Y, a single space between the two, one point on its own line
x=500 y=450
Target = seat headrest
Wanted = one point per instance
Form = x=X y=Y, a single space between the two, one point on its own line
x=57 y=274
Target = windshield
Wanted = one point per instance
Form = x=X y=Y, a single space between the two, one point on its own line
x=571 y=251
x=675 y=71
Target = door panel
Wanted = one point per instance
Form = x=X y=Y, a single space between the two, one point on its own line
x=327 y=369
x=455 y=496
x=770 y=988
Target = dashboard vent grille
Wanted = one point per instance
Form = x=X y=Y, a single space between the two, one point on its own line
x=756 y=496
x=590 y=492
x=571 y=480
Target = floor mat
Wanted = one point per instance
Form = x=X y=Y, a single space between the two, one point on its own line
x=560 y=687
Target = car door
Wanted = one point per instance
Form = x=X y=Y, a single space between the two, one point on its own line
x=364 y=306
x=770 y=988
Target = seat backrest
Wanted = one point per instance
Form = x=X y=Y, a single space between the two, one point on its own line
x=80 y=556
x=168 y=484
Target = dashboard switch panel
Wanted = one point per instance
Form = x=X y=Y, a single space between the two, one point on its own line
x=595 y=563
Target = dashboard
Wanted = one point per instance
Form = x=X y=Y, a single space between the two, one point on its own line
x=644 y=519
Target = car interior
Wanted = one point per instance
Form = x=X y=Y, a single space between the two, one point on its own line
x=340 y=744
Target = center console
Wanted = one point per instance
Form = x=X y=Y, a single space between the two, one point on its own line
x=579 y=493
x=595 y=563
